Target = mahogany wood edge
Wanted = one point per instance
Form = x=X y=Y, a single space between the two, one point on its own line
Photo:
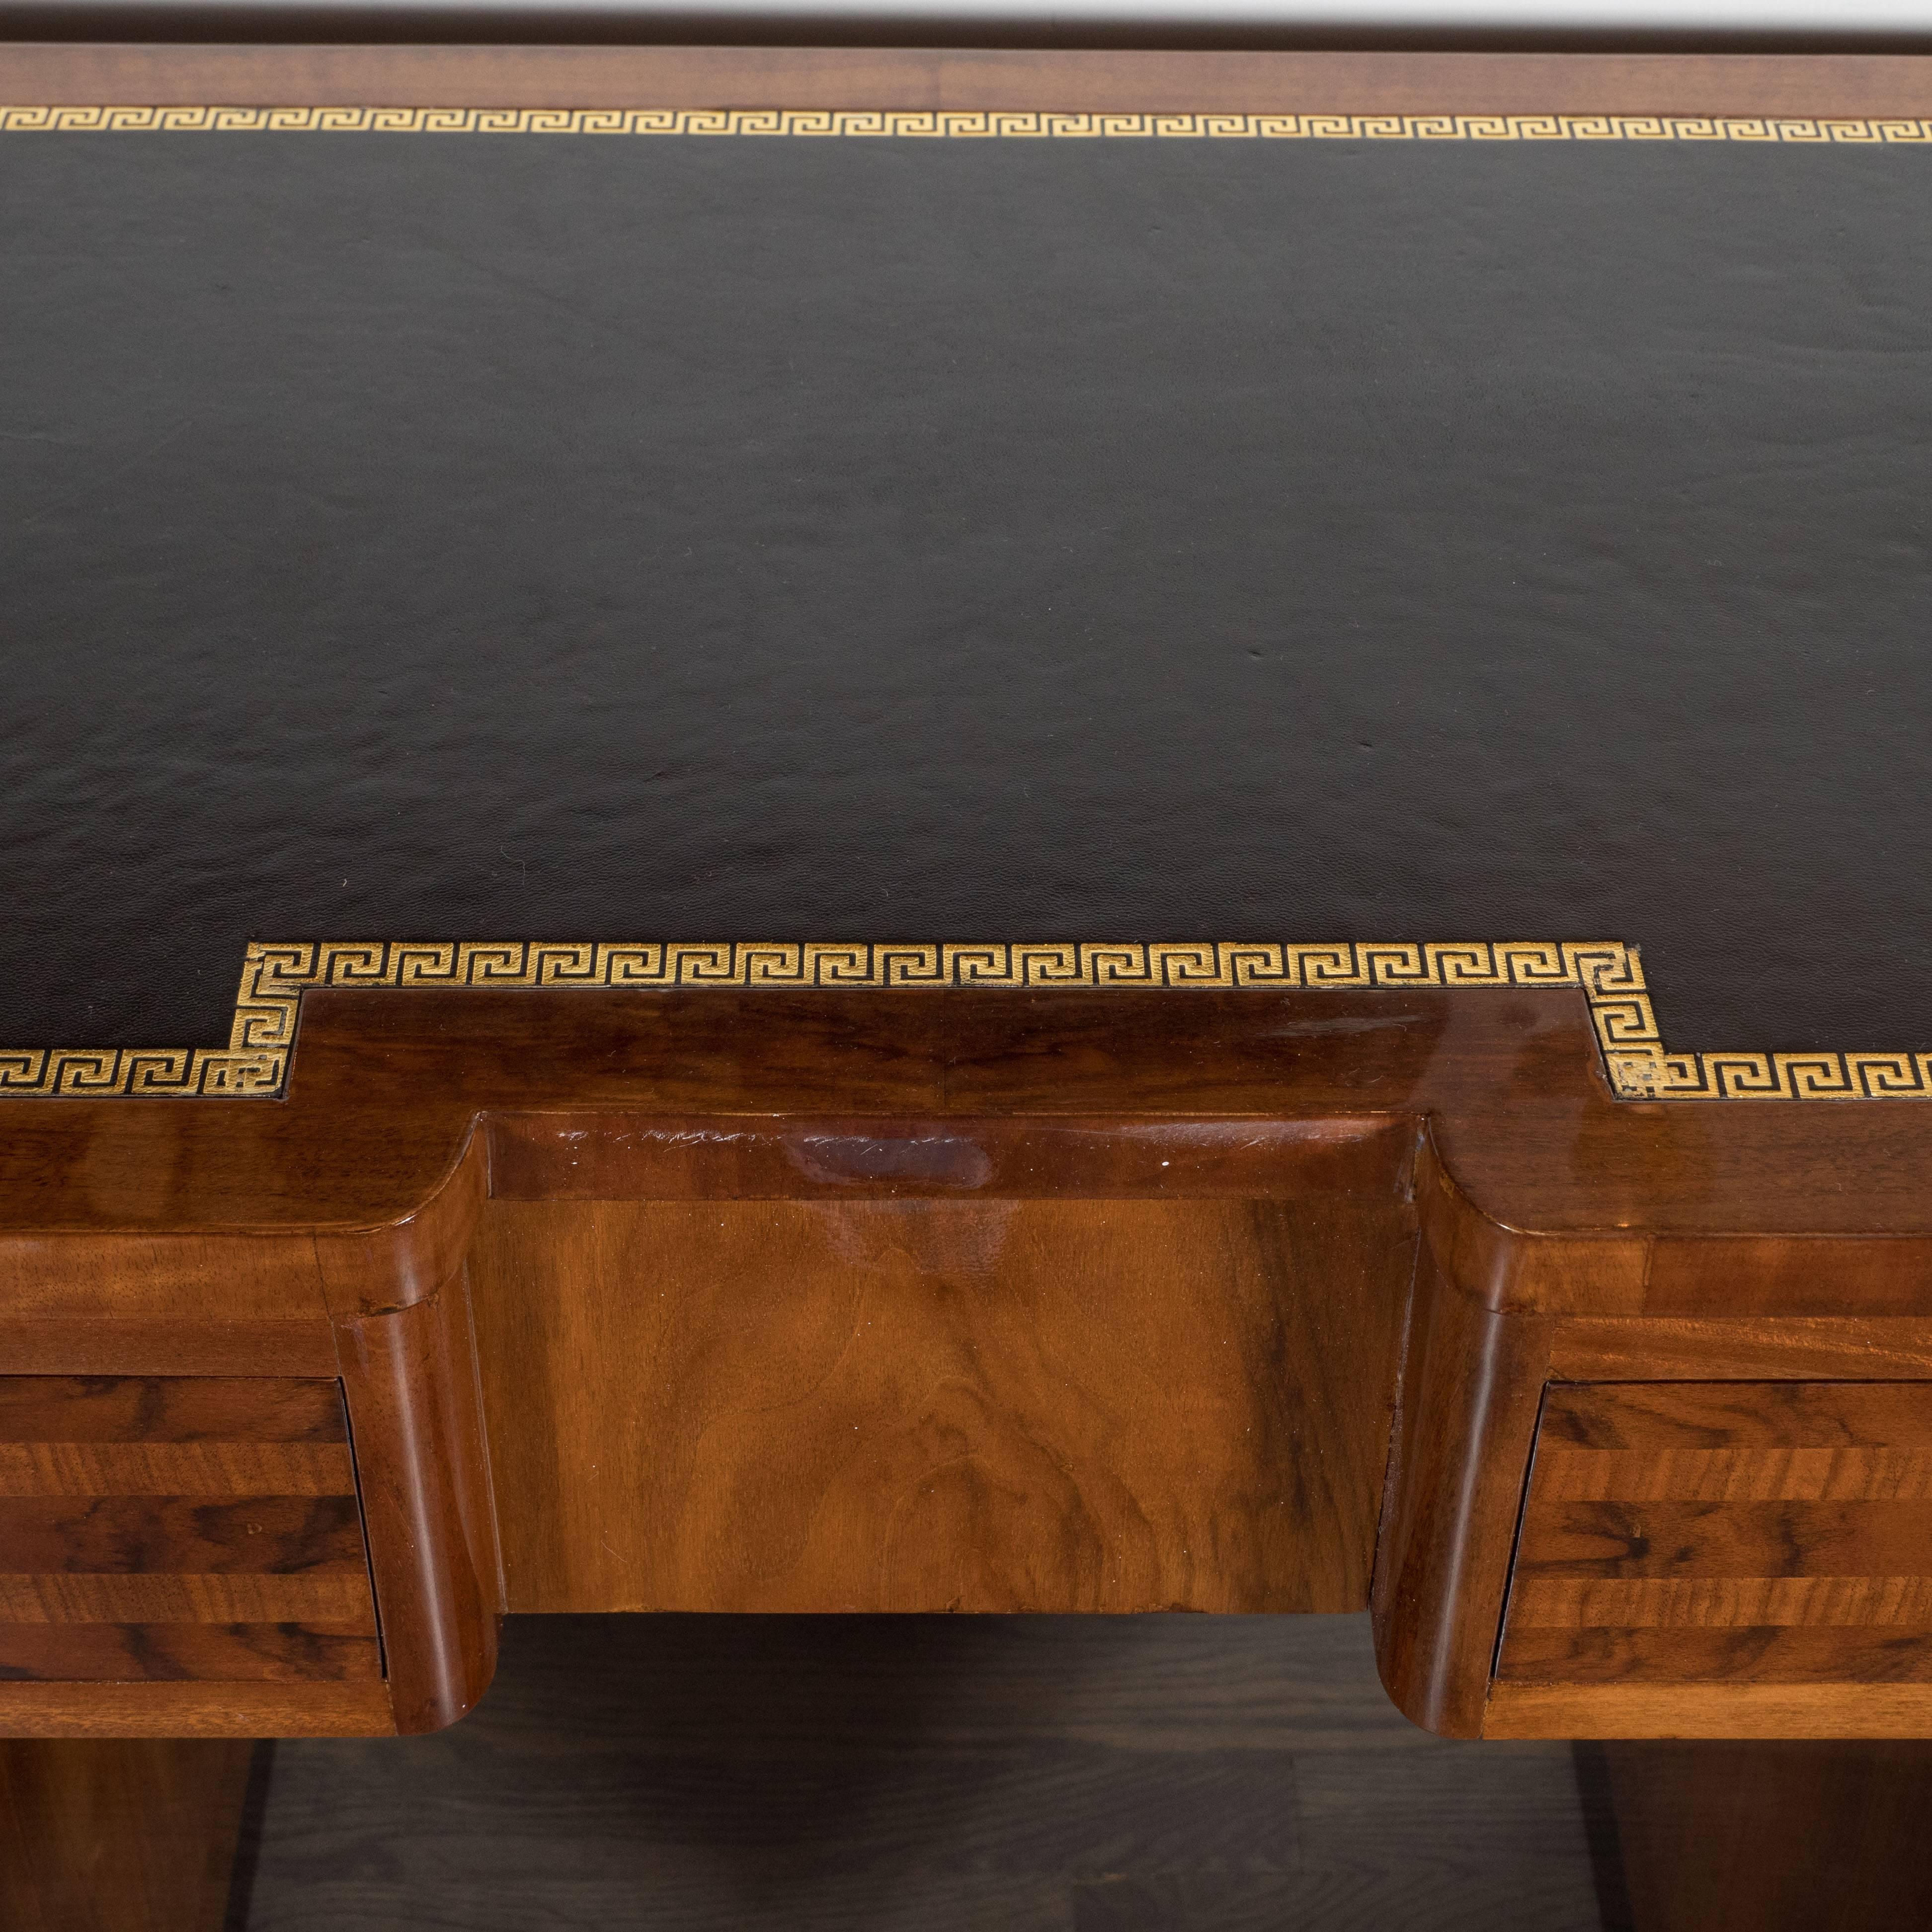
x=1754 y=1710
x=160 y=1288
x=165 y=1345
x=1744 y=1347
x=1072 y=80
x=1509 y=1270
x=621 y=1154
x=375 y=1271
x=195 y=1710
x=1468 y=1398
x=412 y=1385
x=1635 y=1273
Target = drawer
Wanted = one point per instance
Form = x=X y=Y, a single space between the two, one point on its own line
x=159 y=1528
x=267 y=1555
x=1701 y=1557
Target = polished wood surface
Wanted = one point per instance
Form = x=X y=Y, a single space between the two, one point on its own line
x=196 y=1707
x=1804 y=1836
x=881 y=1406
x=410 y=1377
x=1471 y=1382
x=1093 y=79
x=602 y=1156
x=1119 y=1299
x=388 y=1085
x=1843 y=1348
x=182 y=1302
x=1713 y=1535
x=231 y=1420
x=161 y=1345
x=121 y=1835
x=166 y=1530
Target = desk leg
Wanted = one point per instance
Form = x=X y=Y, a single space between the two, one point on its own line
x=120 y=1834
x=1804 y=1836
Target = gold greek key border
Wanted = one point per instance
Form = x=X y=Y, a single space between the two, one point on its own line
x=1609 y=973
x=967 y=124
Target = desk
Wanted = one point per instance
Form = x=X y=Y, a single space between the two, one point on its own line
x=665 y=528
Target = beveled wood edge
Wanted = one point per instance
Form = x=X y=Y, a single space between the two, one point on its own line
x=1062 y=80
x=1751 y=1711
x=1754 y=1347
x=206 y=1709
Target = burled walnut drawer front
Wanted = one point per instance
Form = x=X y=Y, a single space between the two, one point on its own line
x=180 y=1528
x=1701 y=1534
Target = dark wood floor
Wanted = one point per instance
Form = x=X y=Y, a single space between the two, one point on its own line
x=1070 y=1774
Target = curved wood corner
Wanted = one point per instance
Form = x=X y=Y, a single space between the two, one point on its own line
x=1507 y=1270
x=1465 y=1418
x=410 y=1377
x=382 y=1270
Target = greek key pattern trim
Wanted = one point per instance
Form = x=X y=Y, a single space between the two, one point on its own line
x=268 y=1006
x=976 y=125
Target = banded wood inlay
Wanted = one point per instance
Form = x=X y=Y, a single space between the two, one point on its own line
x=184 y=1528
x=1765 y=1532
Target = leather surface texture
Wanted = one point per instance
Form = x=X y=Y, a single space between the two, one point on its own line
x=479 y=536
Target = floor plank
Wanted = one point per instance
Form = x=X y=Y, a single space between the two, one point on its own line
x=1043 y=1773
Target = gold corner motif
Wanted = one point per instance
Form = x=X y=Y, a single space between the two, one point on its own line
x=974 y=124
x=1609 y=973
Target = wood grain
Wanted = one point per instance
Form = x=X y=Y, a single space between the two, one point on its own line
x=1702 y=1709
x=177 y=1529
x=925 y=1774
x=173 y=1344
x=1827 y=1836
x=1850 y=1348
x=1789 y=1277
x=136 y=1652
x=388 y=1086
x=410 y=1377
x=112 y=1836
x=1753 y=1603
x=1728 y=1537
x=213 y=1708
x=1764 y=1653
x=176 y=1469
x=408 y=1258
x=330 y=1597
x=188 y=1274
x=1508 y=1271
x=1420 y=82
x=150 y=1409
x=1756 y=1417
x=1007 y=1406
x=1471 y=1382
x=1733 y=1475
x=1748 y=1537
x=1023 y=1312
x=110 y=1535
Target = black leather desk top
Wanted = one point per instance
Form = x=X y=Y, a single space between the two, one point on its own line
x=491 y=535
